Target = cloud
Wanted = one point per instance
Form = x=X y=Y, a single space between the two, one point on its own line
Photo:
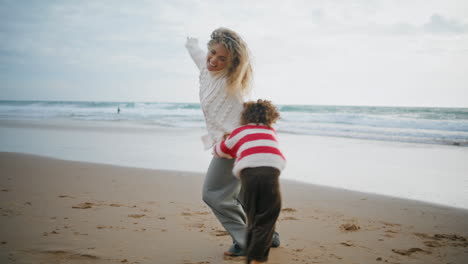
x=439 y=24
x=436 y=25
x=86 y=35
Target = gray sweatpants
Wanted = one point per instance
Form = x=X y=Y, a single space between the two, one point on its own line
x=220 y=192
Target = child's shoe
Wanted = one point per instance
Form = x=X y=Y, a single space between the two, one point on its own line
x=276 y=240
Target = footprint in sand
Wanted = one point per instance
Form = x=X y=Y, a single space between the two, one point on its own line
x=79 y=234
x=11 y=212
x=234 y=258
x=440 y=240
x=85 y=205
x=53 y=233
x=410 y=251
x=136 y=215
x=60 y=255
x=390 y=224
x=349 y=227
x=217 y=232
x=289 y=218
x=452 y=237
x=186 y=213
x=6 y=212
x=198 y=225
x=66 y=196
x=202 y=213
x=335 y=256
x=220 y=233
x=289 y=210
x=103 y=227
x=433 y=244
x=390 y=233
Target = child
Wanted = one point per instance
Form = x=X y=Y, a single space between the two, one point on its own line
x=258 y=163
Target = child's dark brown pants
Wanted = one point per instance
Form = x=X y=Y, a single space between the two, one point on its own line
x=262 y=201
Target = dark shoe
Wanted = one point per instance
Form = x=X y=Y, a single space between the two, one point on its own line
x=235 y=251
x=276 y=241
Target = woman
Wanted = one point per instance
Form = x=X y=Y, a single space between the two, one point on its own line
x=225 y=78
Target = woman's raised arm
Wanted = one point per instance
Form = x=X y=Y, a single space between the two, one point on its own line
x=197 y=54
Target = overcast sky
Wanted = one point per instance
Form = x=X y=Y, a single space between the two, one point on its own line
x=396 y=53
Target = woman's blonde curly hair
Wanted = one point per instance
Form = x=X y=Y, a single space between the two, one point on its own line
x=239 y=71
x=259 y=112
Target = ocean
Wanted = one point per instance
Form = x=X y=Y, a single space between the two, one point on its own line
x=447 y=126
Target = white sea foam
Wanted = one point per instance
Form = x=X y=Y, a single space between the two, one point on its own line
x=421 y=125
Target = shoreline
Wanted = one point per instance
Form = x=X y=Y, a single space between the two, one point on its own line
x=147 y=127
x=55 y=210
x=287 y=181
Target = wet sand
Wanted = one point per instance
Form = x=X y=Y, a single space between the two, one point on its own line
x=55 y=211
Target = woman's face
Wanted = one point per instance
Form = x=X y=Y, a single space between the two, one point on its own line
x=217 y=57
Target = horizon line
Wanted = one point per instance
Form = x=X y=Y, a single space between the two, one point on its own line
x=289 y=104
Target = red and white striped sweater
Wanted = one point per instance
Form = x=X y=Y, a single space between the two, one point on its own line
x=252 y=146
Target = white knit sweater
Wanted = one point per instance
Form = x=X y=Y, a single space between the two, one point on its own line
x=221 y=110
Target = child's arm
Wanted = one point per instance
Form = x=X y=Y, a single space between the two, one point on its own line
x=222 y=150
x=197 y=54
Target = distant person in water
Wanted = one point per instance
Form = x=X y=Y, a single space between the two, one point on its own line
x=258 y=164
x=118 y=109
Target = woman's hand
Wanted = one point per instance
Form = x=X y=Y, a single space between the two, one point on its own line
x=191 y=41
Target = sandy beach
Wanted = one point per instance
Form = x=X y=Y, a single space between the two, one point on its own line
x=56 y=211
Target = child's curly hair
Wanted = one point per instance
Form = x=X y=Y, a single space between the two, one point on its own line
x=260 y=112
